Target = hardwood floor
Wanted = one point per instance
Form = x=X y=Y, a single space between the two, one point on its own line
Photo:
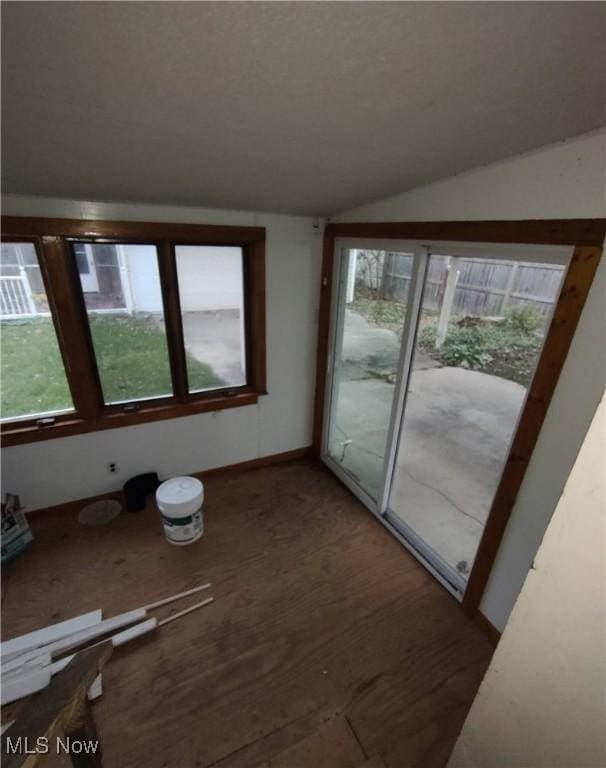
x=328 y=645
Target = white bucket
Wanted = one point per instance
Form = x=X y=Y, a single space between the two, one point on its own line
x=180 y=503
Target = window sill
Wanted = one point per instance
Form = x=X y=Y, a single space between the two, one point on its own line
x=13 y=434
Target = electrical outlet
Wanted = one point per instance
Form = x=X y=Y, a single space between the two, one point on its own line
x=112 y=467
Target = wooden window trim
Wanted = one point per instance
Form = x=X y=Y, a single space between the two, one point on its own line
x=135 y=231
x=51 y=238
x=587 y=238
x=530 y=232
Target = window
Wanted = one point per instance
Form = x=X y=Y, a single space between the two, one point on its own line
x=125 y=319
x=107 y=324
x=211 y=290
x=34 y=383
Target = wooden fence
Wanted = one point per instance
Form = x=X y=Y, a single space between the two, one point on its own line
x=485 y=287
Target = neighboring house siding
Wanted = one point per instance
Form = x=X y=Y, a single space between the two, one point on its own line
x=144 y=283
x=210 y=278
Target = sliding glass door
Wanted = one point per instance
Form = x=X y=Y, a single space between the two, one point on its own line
x=434 y=348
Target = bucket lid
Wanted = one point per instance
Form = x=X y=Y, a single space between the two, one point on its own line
x=180 y=494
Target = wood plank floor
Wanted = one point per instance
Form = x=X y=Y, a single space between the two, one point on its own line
x=328 y=645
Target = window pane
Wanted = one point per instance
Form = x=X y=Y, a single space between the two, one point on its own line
x=121 y=287
x=81 y=259
x=211 y=291
x=373 y=304
x=482 y=327
x=33 y=377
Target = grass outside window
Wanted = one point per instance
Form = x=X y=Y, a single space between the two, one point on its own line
x=33 y=376
x=131 y=353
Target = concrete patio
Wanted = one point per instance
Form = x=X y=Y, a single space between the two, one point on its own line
x=215 y=337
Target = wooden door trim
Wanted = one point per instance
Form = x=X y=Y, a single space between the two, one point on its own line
x=577 y=282
x=587 y=237
x=323 y=340
x=530 y=232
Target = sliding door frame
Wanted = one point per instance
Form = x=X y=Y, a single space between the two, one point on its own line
x=586 y=236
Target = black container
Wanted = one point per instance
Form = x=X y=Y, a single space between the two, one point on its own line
x=138 y=488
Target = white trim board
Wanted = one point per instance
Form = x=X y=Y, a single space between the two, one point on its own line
x=40 y=637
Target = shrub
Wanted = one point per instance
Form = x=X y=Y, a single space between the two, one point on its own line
x=497 y=348
x=427 y=337
x=466 y=347
x=523 y=319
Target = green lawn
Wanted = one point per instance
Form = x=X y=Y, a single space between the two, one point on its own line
x=131 y=355
x=33 y=379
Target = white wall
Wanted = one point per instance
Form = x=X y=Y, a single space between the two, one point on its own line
x=566 y=180
x=209 y=278
x=143 y=275
x=54 y=471
x=560 y=181
x=543 y=700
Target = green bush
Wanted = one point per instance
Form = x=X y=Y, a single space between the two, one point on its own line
x=497 y=348
x=427 y=337
x=467 y=348
x=523 y=319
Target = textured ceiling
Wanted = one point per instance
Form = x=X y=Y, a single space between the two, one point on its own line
x=298 y=107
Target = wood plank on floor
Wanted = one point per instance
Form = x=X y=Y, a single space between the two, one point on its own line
x=333 y=745
x=320 y=618
x=373 y=762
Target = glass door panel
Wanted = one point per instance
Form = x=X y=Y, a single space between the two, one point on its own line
x=373 y=297
x=479 y=336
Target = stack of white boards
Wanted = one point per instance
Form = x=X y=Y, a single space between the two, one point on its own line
x=29 y=661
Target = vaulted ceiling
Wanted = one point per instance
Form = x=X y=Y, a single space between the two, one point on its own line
x=298 y=107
